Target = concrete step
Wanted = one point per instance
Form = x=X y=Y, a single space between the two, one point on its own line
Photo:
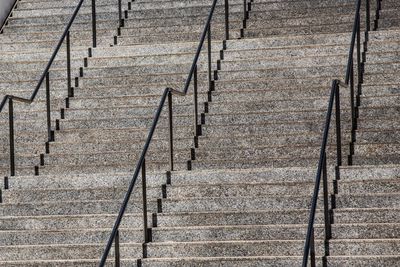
x=260 y=152
x=67 y=237
x=370 y=185
x=59 y=252
x=385 y=113
x=265 y=128
x=224 y=261
x=266 y=63
x=71 y=208
x=121 y=112
x=185 y=11
x=68 y=222
x=368 y=200
x=122 y=145
x=296 y=73
x=378 y=101
x=281 y=162
x=345 y=8
x=362 y=172
x=267 y=109
x=270 y=232
x=32 y=5
x=65 y=10
x=389 y=123
x=120 y=134
x=65 y=262
x=235 y=204
x=393 y=67
x=54 y=36
x=101 y=167
x=237 y=190
x=366 y=231
x=225 y=249
x=377 y=136
x=129 y=40
x=311 y=29
x=284 y=52
x=285 y=41
x=381 y=260
x=375 y=160
x=62 y=18
x=389 y=23
x=41 y=194
x=377 y=150
x=255 y=22
x=261 y=175
x=364 y=247
x=193 y=27
x=77 y=181
x=110 y=157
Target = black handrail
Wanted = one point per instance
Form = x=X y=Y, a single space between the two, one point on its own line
x=5 y=21
x=49 y=64
x=166 y=96
x=309 y=247
x=65 y=37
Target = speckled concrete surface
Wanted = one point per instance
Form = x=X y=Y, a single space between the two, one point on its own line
x=246 y=201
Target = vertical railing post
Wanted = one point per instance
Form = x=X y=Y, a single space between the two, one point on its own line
x=171 y=132
x=69 y=82
x=352 y=102
x=94 y=27
x=377 y=14
x=368 y=15
x=227 y=19
x=245 y=13
x=11 y=129
x=338 y=126
x=144 y=199
x=327 y=218
x=50 y=133
x=378 y=8
x=312 y=249
x=117 y=250
x=195 y=99
x=121 y=22
x=359 y=69
x=209 y=52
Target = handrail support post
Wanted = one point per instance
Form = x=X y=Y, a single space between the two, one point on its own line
x=144 y=199
x=338 y=126
x=327 y=218
x=121 y=22
x=209 y=52
x=171 y=132
x=368 y=15
x=195 y=100
x=117 y=250
x=94 y=27
x=227 y=19
x=12 y=140
x=69 y=82
x=50 y=133
x=312 y=248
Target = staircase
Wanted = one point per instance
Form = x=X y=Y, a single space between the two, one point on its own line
x=243 y=177
x=368 y=192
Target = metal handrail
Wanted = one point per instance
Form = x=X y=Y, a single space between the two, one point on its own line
x=166 y=97
x=49 y=64
x=45 y=77
x=14 y=5
x=309 y=247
